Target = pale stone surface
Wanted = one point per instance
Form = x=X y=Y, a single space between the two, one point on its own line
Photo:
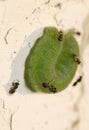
x=20 y=23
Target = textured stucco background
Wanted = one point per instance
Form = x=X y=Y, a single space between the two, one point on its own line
x=20 y=22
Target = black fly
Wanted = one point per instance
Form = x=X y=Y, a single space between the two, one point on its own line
x=14 y=87
x=77 y=81
x=78 y=33
x=76 y=58
x=60 y=37
x=45 y=85
x=74 y=31
x=50 y=87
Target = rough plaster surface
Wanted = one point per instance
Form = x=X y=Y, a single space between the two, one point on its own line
x=20 y=22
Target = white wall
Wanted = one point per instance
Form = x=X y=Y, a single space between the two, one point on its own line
x=20 y=22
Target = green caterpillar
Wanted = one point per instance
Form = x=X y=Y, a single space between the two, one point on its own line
x=50 y=63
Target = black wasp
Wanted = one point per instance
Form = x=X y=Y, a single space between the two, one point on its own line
x=77 y=81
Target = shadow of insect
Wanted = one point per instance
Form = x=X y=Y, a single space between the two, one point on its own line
x=59 y=5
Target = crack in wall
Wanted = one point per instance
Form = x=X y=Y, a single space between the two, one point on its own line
x=7 y=33
x=6 y=112
x=4 y=115
x=3 y=106
x=11 y=119
x=47 y=2
x=55 y=19
x=75 y=124
x=35 y=10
